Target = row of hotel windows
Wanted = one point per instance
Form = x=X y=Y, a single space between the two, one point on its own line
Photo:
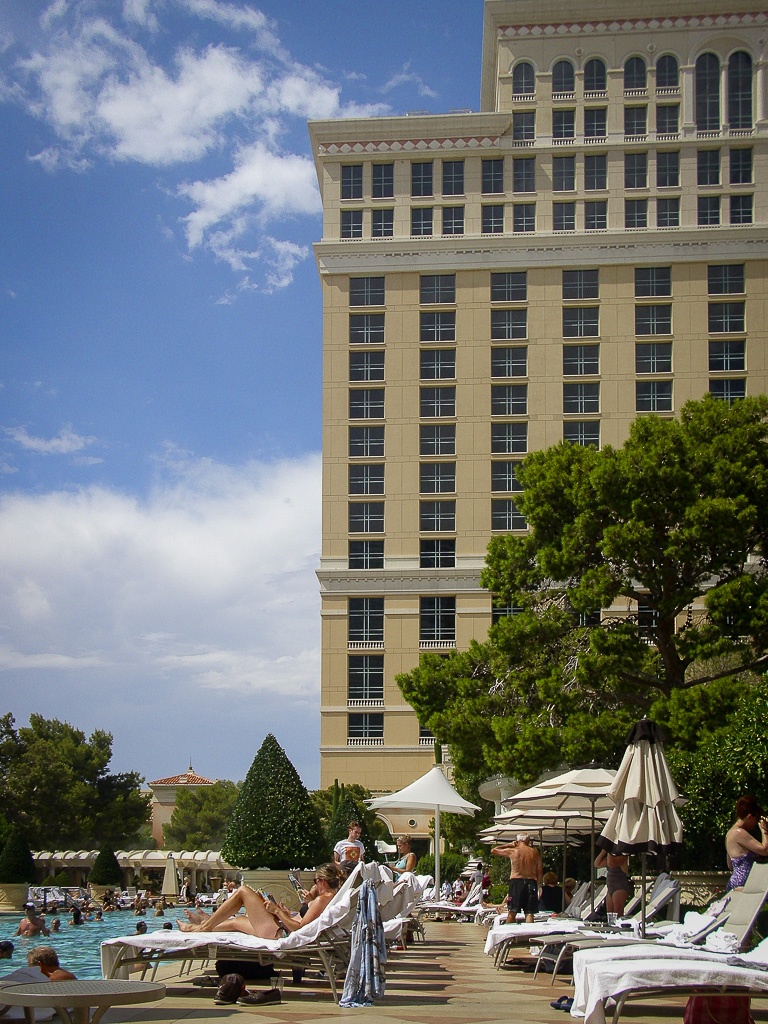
x=578 y=399
x=512 y=286
x=366 y=728
x=578 y=360
x=577 y=322
x=563 y=179
x=512 y=399
x=707 y=85
x=494 y=218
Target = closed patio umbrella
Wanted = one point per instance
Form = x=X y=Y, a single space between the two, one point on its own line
x=644 y=819
x=170 y=885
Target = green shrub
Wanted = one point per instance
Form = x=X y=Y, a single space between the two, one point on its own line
x=61 y=879
x=106 y=869
x=16 y=862
x=273 y=823
x=498 y=893
x=451 y=866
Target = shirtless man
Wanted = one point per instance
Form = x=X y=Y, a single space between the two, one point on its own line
x=31 y=925
x=46 y=959
x=525 y=875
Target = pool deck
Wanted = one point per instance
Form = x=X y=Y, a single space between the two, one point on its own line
x=446 y=980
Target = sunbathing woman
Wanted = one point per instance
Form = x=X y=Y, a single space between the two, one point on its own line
x=264 y=918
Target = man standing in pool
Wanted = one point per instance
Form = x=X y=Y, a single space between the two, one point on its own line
x=31 y=925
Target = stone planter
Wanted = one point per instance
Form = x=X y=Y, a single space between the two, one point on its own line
x=97 y=891
x=13 y=896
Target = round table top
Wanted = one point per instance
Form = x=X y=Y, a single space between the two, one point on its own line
x=97 y=992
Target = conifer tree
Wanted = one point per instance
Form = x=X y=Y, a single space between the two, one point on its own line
x=16 y=862
x=273 y=824
x=106 y=869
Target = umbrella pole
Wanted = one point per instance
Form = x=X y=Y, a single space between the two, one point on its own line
x=437 y=852
x=565 y=855
x=592 y=876
x=642 y=916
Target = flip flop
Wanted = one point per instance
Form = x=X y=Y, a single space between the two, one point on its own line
x=563 y=1003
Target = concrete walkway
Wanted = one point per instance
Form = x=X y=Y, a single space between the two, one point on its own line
x=445 y=980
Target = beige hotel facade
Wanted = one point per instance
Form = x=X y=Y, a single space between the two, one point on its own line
x=588 y=247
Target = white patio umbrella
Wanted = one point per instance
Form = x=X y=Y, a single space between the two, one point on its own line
x=431 y=792
x=170 y=885
x=644 y=819
x=580 y=789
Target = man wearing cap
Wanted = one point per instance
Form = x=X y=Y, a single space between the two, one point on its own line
x=525 y=876
x=31 y=924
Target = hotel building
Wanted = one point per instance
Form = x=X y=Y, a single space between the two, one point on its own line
x=588 y=247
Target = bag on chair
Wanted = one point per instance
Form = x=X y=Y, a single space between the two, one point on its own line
x=714 y=1009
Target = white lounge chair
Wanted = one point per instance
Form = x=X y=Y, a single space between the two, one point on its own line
x=322 y=943
x=444 y=908
x=650 y=969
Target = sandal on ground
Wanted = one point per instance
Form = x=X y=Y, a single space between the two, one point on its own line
x=563 y=1003
x=206 y=981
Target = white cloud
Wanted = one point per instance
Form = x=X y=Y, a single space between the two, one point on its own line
x=140 y=12
x=277 y=184
x=407 y=77
x=208 y=583
x=156 y=118
x=245 y=18
x=65 y=443
x=119 y=82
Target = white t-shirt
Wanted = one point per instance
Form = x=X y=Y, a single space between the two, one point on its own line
x=350 y=849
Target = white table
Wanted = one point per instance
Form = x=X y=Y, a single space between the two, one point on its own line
x=88 y=999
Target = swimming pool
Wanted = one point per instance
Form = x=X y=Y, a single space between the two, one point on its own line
x=78 y=947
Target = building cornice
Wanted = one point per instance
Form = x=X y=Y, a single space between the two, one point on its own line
x=368 y=257
x=382 y=581
x=612 y=26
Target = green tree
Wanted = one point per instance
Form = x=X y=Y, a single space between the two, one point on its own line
x=729 y=762
x=106 y=868
x=326 y=801
x=273 y=824
x=16 y=862
x=200 y=817
x=674 y=518
x=57 y=787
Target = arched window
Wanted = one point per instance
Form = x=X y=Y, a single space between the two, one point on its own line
x=523 y=79
x=563 y=78
x=667 y=72
x=595 y=76
x=740 y=90
x=708 y=93
x=634 y=73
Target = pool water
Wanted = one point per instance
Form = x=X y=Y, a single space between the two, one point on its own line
x=78 y=947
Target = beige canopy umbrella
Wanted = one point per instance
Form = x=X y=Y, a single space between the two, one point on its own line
x=431 y=792
x=170 y=885
x=564 y=824
x=580 y=789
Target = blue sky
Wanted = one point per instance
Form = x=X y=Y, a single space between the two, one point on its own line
x=160 y=354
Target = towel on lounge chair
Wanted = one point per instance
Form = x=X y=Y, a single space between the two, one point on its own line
x=610 y=979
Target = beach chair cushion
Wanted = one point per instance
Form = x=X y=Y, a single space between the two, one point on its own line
x=718 y=1009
